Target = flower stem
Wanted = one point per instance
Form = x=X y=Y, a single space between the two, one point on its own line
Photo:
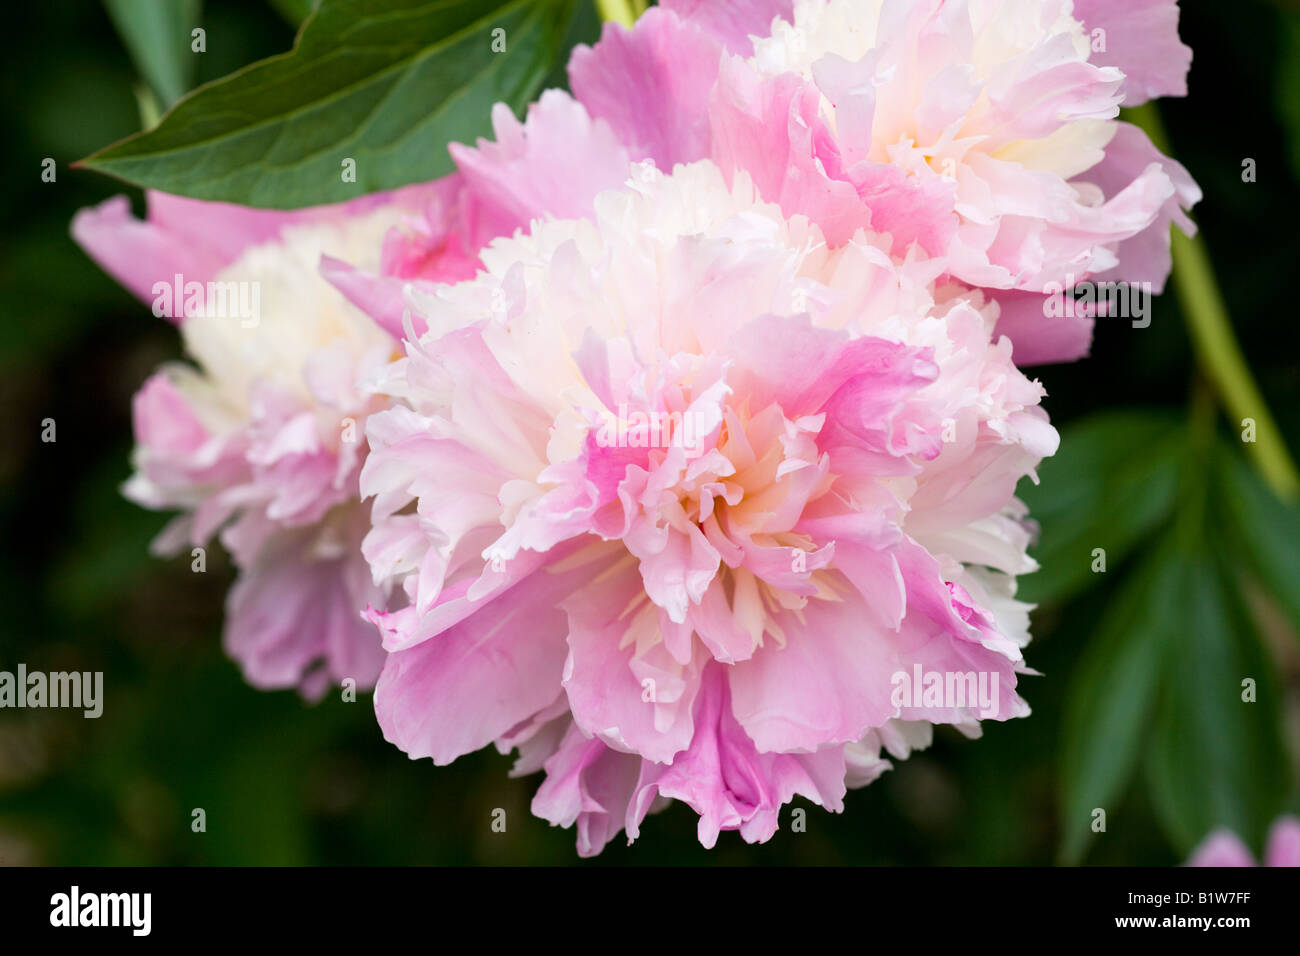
x=620 y=11
x=1216 y=348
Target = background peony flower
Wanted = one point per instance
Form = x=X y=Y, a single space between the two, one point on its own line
x=712 y=611
x=985 y=133
x=261 y=442
x=198 y=239
x=1223 y=848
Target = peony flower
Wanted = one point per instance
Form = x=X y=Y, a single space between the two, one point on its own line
x=260 y=441
x=683 y=504
x=1222 y=848
x=982 y=132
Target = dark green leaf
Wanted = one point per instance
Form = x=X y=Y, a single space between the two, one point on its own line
x=1288 y=87
x=584 y=28
x=295 y=11
x=386 y=83
x=1266 y=532
x=157 y=34
x=1216 y=760
x=1111 y=698
x=1112 y=482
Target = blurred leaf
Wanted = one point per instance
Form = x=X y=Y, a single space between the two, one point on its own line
x=386 y=83
x=51 y=293
x=295 y=11
x=1288 y=88
x=584 y=28
x=1265 y=531
x=1215 y=760
x=1113 y=481
x=1110 y=700
x=157 y=35
x=76 y=108
x=111 y=549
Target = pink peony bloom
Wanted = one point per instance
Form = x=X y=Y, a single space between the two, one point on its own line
x=261 y=442
x=983 y=133
x=683 y=504
x=1223 y=848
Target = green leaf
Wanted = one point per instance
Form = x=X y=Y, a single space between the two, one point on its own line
x=1288 y=87
x=584 y=28
x=295 y=11
x=1111 y=698
x=157 y=35
x=1265 y=531
x=1112 y=482
x=1216 y=760
x=386 y=83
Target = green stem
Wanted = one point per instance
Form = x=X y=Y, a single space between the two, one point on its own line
x=148 y=105
x=620 y=11
x=1217 y=351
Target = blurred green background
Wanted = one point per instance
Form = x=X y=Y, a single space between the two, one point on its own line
x=283 y=782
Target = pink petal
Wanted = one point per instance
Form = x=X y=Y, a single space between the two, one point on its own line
x=470 y=684
x=770 y=128
x=733 y=22
x=1144 y=257
x=729 y=783
x=1037 y=338
x=590 y=784
x=290 y=616
x=553 y=164
x=1221 y=848
x=651 y=84
x=1142 y=40
x=138 y=253
x=1283 y=847
x=634 y=700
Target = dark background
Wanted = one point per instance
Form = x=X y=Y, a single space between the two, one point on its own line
x=283 y=782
